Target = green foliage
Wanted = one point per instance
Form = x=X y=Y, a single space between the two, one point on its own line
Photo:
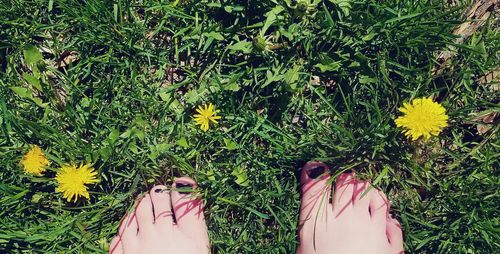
x=125 y=104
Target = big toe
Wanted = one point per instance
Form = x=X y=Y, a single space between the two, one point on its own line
x=160 y=198
x=315 y=192
x=188 y=209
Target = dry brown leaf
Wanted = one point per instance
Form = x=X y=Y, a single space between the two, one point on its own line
x=486 y=121
x=491 y=80
x=66 y=58
x=61 y=97
x=476 y=15
x=483 y=128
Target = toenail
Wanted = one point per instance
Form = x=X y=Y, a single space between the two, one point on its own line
x=314 y=172
x=159 y=190
x=183 y=186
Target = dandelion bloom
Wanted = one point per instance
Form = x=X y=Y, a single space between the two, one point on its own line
x=422 y=118
x=34 y=161
x=72 y=181
x=206 y=114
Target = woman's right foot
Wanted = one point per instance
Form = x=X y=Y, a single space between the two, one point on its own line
x=356 y=221
x=151 y=228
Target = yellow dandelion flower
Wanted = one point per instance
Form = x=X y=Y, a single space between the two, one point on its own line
x=34 y=161
x=422 y=118
x=206 y=114
x=72 y=181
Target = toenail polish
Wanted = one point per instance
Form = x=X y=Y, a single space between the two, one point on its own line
x=158 y=190
x=183 y=187
x=314 y=172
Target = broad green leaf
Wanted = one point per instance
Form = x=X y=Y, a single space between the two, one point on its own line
x=292 y=76
x=182 y=142
x=271 y=18
x=105 y=152
x=192 y=96
x=211 y=175
x=273 y=77
x=113 y=136
x=241 y=177
x=140 y=134
x=229 y=144
x=244 y=46
x=233 y=86
x=165 y=96
x=31 y=55
x=216 y=35
x=85 y=102
x=159 y=149
x=132 y=146
x=176 y=106
x=328 y=67
x=21 y=91
x=363 y=79
x=32 y=81
x=343 y=5
x=26 y=93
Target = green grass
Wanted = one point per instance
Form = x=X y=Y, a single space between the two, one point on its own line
x=121 y=107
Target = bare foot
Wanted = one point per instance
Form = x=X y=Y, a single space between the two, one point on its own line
x=357 y=221
x=151 y=229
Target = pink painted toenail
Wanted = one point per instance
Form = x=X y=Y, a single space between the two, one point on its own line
x=183 y=187
x=315 y=172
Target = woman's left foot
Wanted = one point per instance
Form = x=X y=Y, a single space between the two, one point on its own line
x=164 y=222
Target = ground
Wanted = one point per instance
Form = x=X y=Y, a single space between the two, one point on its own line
x=115 y=84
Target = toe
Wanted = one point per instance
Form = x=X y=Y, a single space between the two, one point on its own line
x=344 y=192
x=395 y=235
x=379 y=207
x=188 y=209
x=314 y=188
x=115 y=247
x=314 y=205
x=144 y=213
x=362 y=191
x=162 y=207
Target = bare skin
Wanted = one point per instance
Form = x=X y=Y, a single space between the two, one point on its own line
x=357 y=221
x=151 y=229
